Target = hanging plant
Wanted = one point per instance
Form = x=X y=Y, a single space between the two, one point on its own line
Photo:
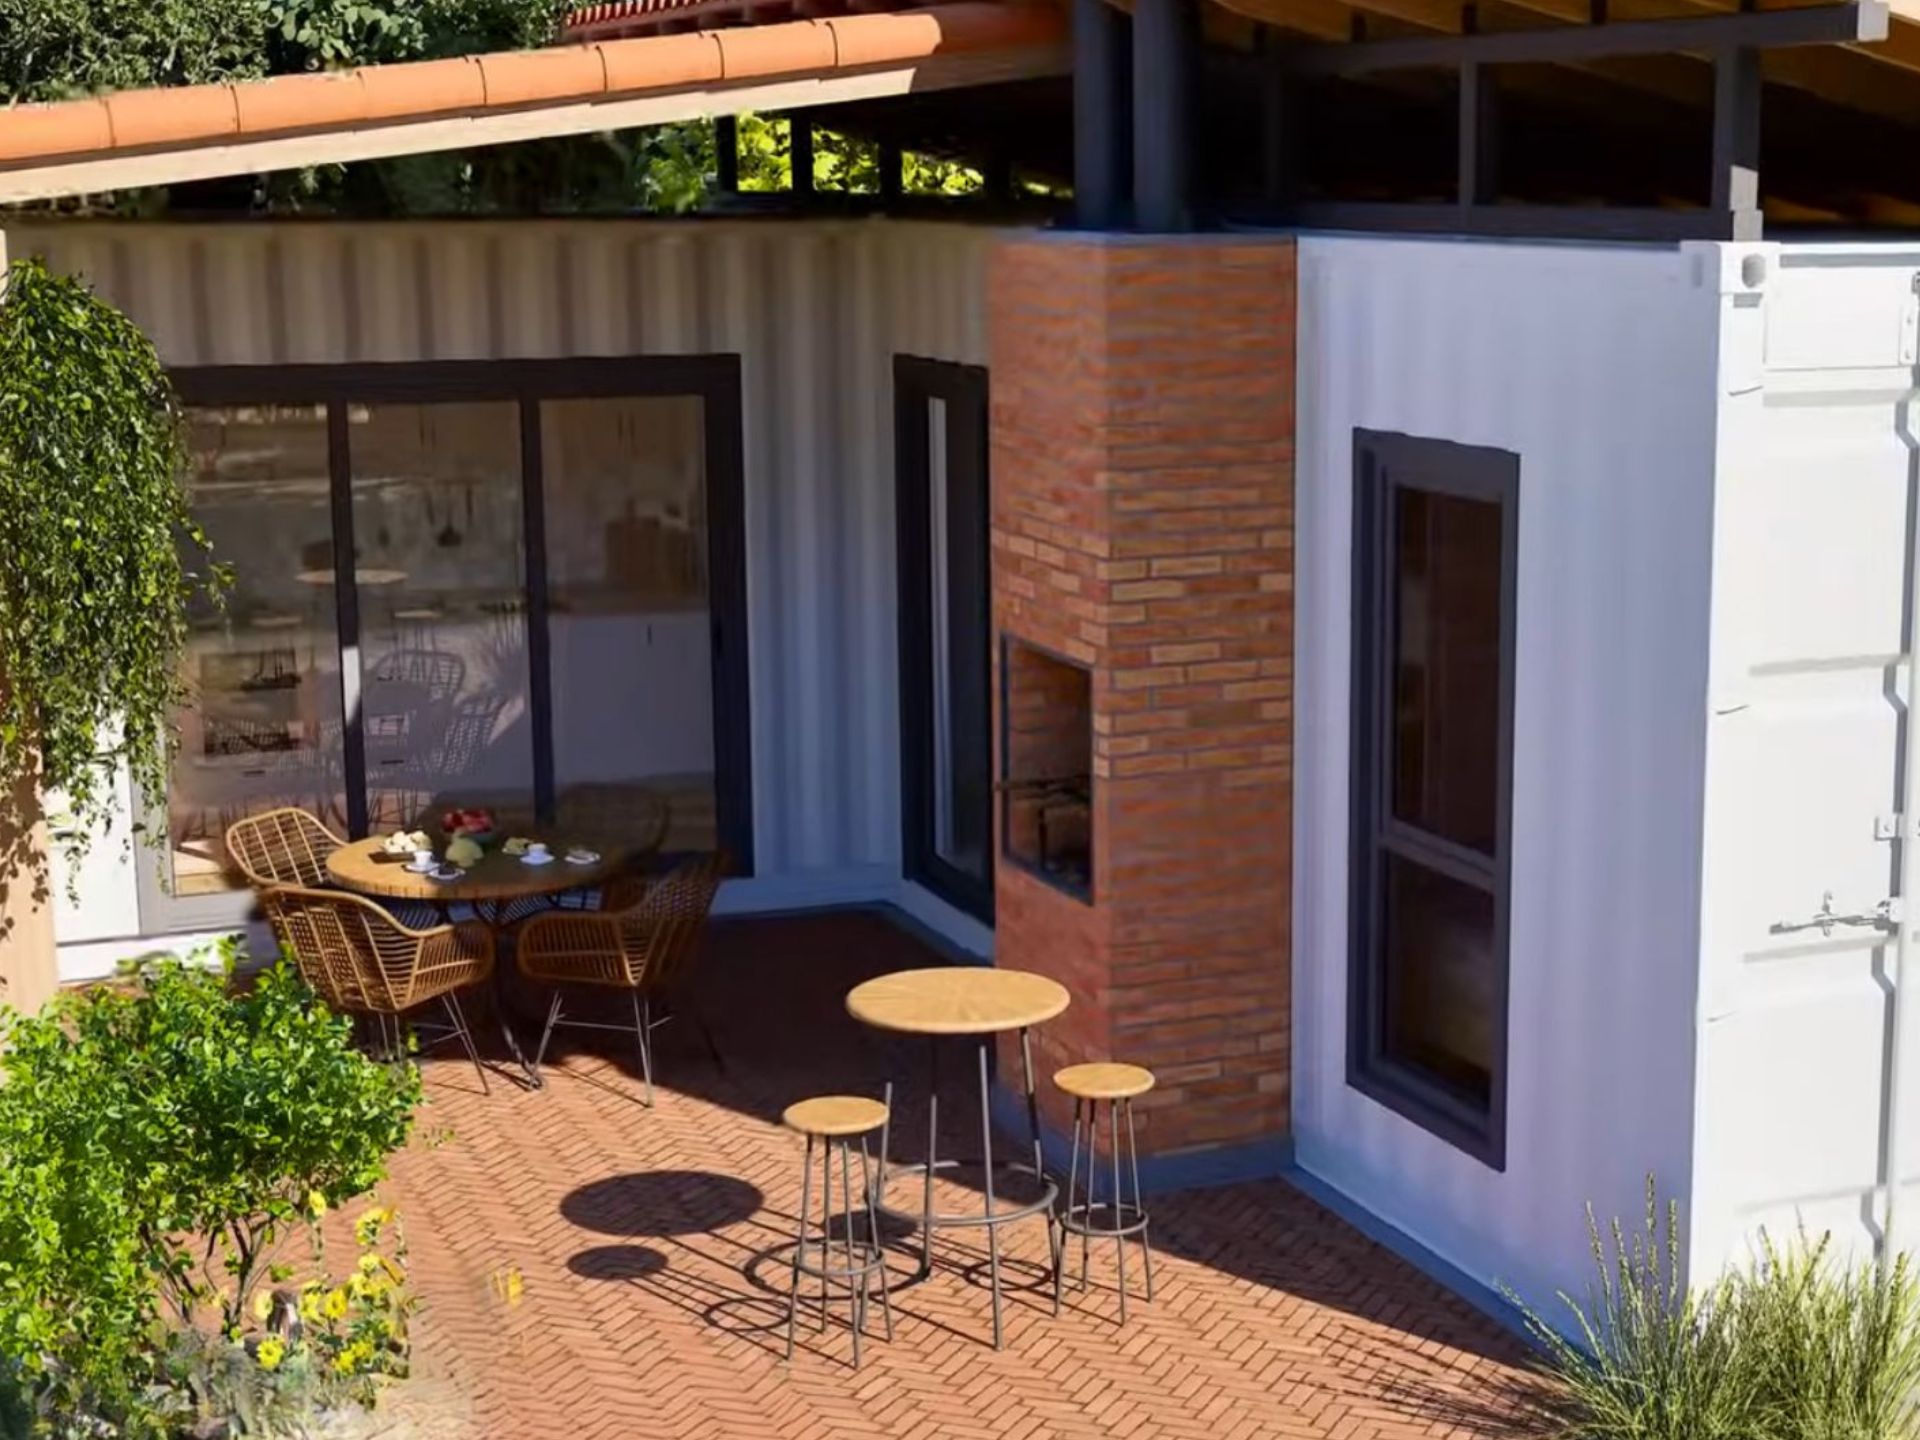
x=98 y=555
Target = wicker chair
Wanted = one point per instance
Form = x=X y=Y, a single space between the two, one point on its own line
x=362 y=961
x=641 y=943
x=282 y=847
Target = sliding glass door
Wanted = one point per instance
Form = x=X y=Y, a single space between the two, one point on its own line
x=940 y=438
x=519 y=585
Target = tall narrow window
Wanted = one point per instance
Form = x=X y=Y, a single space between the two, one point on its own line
x=262 y=724
x=940 y=433
x=1435 y=538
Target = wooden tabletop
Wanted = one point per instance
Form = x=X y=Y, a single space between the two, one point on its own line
x=496 y=876
x=957 y=1000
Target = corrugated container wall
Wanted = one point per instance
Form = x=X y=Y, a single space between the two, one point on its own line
x=815 y=310
x=1816 y=513
x=1596 y=367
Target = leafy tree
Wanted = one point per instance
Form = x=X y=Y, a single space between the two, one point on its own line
x=157 y=1140
x=93 y=624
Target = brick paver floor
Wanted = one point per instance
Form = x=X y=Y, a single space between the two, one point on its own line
x=591 y=1268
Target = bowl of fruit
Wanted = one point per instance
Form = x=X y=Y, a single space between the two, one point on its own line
x=476 y=825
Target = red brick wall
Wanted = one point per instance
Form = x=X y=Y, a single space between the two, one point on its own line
x=1142 y=462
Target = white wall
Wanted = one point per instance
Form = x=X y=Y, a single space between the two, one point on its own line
x=816 y=310
x=1595 y=365
x=1816 y=498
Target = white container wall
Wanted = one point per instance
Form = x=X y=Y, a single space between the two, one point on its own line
x=816 y=311
x=1815 y=509
x=1596 y=366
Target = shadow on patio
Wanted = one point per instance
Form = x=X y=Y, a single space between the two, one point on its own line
x=594 y=1267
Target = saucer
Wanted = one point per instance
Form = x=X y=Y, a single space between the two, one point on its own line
x=446 y=872
x=583 y=857
x=546 y=859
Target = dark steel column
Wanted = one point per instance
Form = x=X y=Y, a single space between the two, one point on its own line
x=1102 y=115
x=1164 y=45
x=892 y=172
x=1736 y=139
x=800 y=152
x=726 y=152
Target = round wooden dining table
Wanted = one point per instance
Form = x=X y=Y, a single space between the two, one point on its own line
x=488 y=887
x=977 y=1001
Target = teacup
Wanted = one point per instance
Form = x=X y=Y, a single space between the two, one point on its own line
x=536 y=851
x=422 y=861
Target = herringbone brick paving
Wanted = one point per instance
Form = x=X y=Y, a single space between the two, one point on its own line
x=590 y=1268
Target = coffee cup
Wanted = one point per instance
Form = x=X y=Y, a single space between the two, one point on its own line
x=536 y=850
x=423 y=861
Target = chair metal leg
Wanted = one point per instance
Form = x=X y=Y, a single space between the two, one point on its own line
x=799 y=1243
x=873 y=1222
x=643 y=1031
x=1073 y=1175
x=1140 y=1204
x=452 y=1002
x=553 y=1019
x=856 y=1293
x=1033 y=1128
x=993 y=1231
x=1119 y=1239
x=706 y=1034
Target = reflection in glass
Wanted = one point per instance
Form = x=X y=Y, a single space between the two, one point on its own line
x=261 y=728
x=440 y=564
x=630 y=617
x=1446 y=665
x=962 y=804
x=1440 y=977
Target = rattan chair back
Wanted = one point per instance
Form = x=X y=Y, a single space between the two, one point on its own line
x=358 y=957
x=282 y=847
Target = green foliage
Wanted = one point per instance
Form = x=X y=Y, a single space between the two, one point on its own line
x=92 y=518
x=1797 y=1347
x=158 y=1140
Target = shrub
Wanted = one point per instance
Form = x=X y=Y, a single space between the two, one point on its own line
x=158 y=1141
x=1797 y=1346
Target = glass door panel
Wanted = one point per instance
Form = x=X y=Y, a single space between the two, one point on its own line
x=630 y=617
x=440 y=564
x=262 y=724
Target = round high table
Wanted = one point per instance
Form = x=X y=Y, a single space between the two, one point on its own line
x=976 y=1002
x=488 y=885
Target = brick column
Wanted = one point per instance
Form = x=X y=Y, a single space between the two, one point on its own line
x=1142 y=435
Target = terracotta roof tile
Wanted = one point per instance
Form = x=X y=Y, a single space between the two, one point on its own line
x=527 y=77
x=70 y=128
x=143 y=118
x=297 y=102
x=423 y=87
x=759 y=50
x=209 y=114
x=661 y=62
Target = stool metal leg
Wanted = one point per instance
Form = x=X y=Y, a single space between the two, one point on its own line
x=1073 y=1175
x=1033 y=1129
x=933 y=1156
x=799 y=1242
x=993 y=1231
x=1140 y=1204
x=826 y=1224
x=1119 y=1238
x=856 y=1294
x=873 y=1225
x=1086 y=1236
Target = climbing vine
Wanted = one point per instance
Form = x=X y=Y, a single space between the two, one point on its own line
x=98 y=554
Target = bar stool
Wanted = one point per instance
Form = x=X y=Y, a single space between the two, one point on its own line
x=1117 y=1085
x=835 y=1121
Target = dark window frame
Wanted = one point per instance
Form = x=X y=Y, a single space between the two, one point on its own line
x=1004 y=829
x=714 y=379
x=917 y=381
x=1385 y=464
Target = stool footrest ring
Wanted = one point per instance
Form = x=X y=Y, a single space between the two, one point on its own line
x=1125 y=1220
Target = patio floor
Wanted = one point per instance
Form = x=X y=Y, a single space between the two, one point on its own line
x=649 y=1253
